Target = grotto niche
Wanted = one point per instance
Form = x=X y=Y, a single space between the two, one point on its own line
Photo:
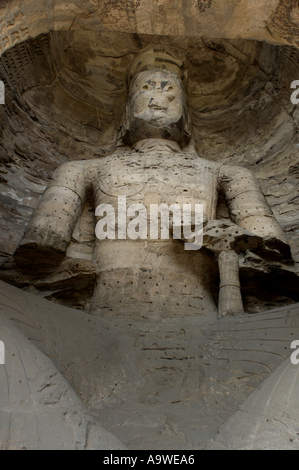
x=123 y=346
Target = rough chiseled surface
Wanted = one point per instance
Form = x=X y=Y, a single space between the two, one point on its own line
x=155 y=382
x=274 y=21
x=39 y=410
x=268 y=420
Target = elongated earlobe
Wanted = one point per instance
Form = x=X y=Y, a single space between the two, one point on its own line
x=124 y=135
x=188 y=127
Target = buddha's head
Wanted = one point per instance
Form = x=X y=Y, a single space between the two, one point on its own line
x=157 y=103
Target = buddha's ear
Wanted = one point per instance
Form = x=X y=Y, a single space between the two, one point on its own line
x=188 y=122
x=185 y=77
x=124 y=134
x=188 y=127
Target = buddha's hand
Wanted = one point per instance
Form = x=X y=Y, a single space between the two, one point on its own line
x=224 y=235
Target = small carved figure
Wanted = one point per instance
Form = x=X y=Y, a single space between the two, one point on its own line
x=202 y=5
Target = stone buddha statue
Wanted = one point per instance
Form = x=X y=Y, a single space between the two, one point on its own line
x=156 y=163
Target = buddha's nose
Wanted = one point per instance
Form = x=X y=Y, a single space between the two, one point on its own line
x=155 y=102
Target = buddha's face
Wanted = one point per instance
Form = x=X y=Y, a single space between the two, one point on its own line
x=157 y=107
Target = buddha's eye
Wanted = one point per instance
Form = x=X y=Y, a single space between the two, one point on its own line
x=170 y=88
x=145 y=87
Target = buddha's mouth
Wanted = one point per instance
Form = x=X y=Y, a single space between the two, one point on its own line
x=157 y=107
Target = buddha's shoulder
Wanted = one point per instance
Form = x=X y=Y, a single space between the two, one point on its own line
x=117 y=156
x=232 y=171
x=128 y=156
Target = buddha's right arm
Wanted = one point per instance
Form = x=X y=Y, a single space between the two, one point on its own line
x=53 y=222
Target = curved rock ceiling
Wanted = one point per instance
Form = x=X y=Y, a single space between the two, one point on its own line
x=274 y=21
x=65 y=93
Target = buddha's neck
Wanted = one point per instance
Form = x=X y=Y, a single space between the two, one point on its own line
x=154 y=144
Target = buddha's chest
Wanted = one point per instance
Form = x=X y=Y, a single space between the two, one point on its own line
x=173 y=179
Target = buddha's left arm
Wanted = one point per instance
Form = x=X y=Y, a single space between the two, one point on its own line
x=248 y=206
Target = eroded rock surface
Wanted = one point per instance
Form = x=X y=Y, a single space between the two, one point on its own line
x=268 y=420
x=154 y=382
x=38 y=408
x=274 y=21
